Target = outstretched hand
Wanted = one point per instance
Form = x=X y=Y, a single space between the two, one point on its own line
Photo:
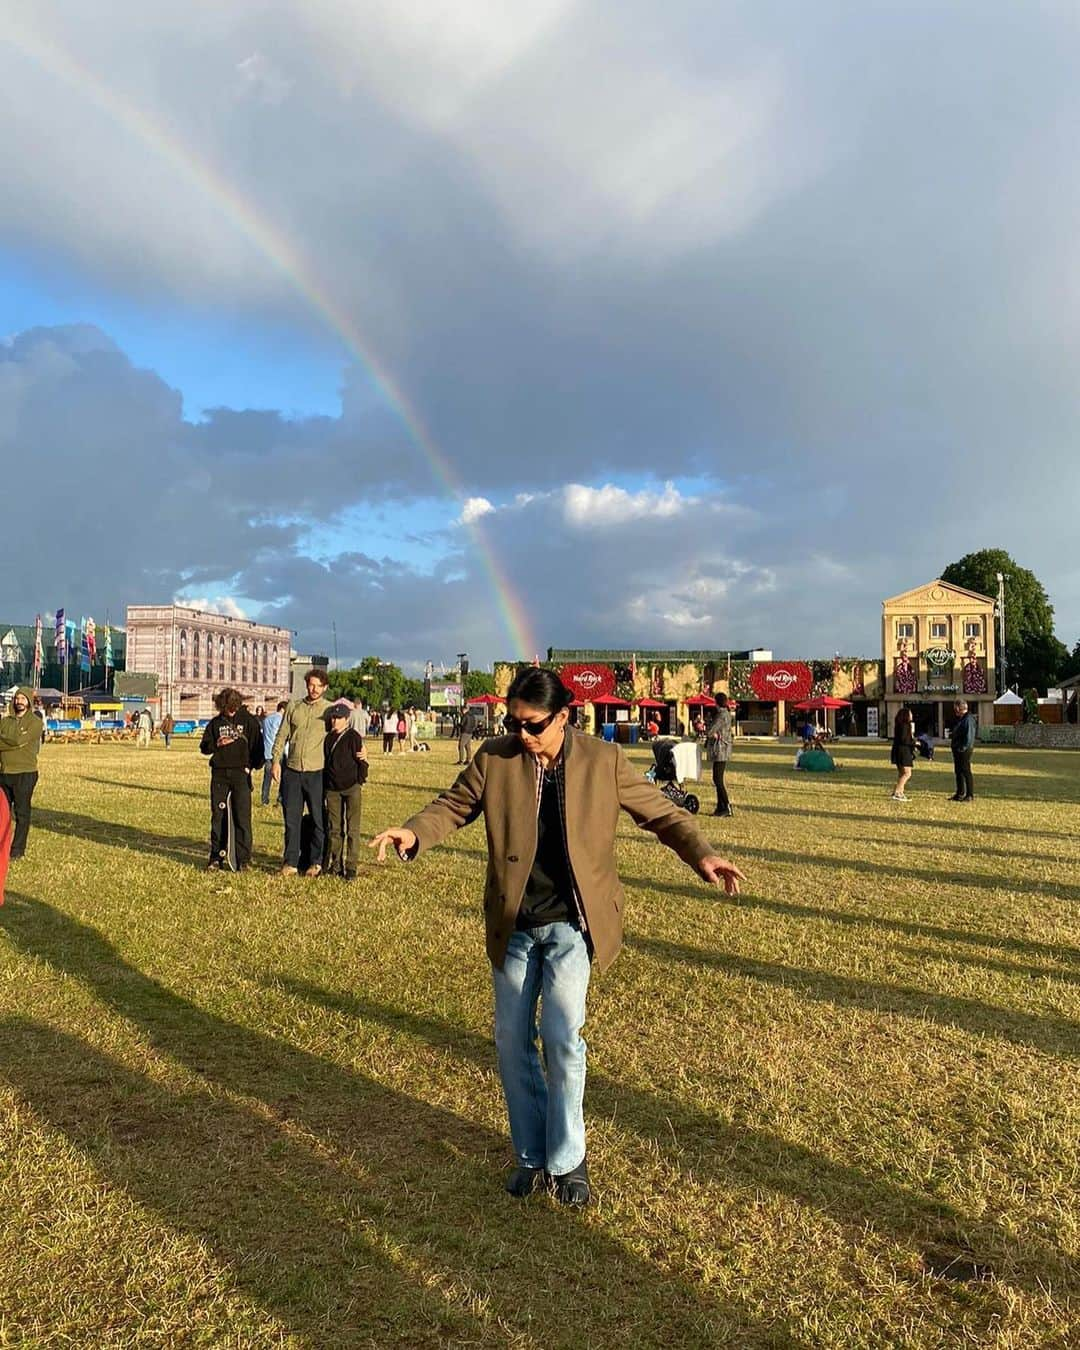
x=403 y=840
x=720 y=872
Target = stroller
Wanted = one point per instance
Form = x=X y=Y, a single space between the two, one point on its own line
x=664 y=774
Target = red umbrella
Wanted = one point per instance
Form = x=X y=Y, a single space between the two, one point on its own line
x=487 y=699
x=649 y=703
x=610 y=701
x=820 y=703
x=701 y=701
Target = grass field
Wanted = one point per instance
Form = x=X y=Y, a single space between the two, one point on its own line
x=841 y=1110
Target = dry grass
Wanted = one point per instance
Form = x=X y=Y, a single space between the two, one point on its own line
x=842 y=1111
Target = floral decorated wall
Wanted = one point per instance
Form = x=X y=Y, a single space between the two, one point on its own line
x=850 y=677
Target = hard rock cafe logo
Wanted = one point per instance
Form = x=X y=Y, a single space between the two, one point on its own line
x=782 y=679
x=939 y=657
x=588 y=680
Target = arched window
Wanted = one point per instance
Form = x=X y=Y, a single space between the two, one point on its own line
x=221 y=658
x=266 y=664
x=195 y=666
x=232 y=661
x=273 y=666
x=243 y=661
x=183 y=654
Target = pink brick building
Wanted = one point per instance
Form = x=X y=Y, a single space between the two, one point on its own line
x=195 y=653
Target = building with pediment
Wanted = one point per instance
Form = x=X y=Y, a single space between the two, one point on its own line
x=938 y=646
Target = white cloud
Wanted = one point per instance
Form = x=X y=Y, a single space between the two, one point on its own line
x=213 y=604
x=473 y=508
x=610 y=505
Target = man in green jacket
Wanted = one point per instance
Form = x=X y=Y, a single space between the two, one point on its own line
x=20 y=740
x=303 y=729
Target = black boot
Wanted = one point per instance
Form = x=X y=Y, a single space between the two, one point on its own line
x=522 y=1181
x=572 y=1188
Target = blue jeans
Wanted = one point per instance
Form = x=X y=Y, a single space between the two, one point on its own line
x=547 y=1124
x=268 y=782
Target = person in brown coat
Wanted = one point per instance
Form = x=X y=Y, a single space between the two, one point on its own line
x=553 y=904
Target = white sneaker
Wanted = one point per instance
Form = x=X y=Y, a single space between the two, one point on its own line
x=898 y=798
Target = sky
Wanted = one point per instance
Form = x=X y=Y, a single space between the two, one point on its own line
x=490 y=327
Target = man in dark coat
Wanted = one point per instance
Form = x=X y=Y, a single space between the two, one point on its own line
x=962 y=740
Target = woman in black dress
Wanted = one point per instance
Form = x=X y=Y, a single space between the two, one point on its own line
x=903 y=751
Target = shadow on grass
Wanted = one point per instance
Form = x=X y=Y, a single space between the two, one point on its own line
x=147 y=787
x=908 y=927
x=114 y=834
x=321 y=1196
x=1051 y=1035
x=910 y=822
x=735 y=1155
x=974 y=880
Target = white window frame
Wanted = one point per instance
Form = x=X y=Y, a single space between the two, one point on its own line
x=905 y=629
x=939 y=631
x=972 y=628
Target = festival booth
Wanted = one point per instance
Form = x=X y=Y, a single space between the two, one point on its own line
x=488 y=703
x=775 y=685
x=104 y=712
x=1008 y=709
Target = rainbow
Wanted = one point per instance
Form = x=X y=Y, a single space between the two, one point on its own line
x=287 y=259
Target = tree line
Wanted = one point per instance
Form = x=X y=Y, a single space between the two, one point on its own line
x=378 y=683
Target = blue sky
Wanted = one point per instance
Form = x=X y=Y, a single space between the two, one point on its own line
x=728 y=321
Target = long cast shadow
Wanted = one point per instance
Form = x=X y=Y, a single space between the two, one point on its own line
x=909 y=927
x=116 y=834
x=1051 y=1035
x=733 y=1154
x=147 y=787
x=974 y=880
x=902 y=822
x=404 y=1148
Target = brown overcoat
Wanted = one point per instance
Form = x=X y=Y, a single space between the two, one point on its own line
x=500 y=784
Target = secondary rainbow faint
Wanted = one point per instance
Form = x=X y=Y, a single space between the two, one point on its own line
x=283 y=254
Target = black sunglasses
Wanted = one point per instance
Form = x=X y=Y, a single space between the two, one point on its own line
x=530 y=728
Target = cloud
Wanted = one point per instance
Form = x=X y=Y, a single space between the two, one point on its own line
x=216 y=604
x=473 y=509
x=818 y=261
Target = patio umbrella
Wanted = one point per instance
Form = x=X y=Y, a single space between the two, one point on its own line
x=610 y=701
x=649 y=703
x=489 y=700
x=701 y=701
x=820 y=703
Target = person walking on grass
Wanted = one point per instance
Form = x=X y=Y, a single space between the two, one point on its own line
x=903 y=751
x=962 y=740
x=718 y=743
x=303 y=729
x=344 y=775
x=389 y=732
x=466 y=725
x=168 y=722
x=233 y=740
x=20 y=742
x=553 y=905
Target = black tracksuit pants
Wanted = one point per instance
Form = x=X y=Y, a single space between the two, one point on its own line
x=238 y=782
x=722 y=802
x=19 y=788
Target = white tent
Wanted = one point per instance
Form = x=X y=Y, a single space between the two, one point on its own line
x=1008 y=700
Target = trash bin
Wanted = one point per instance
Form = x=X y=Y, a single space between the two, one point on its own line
x=634 y=732
x=609 y=731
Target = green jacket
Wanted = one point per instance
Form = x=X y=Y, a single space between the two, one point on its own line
x=303 y=726
x=20 y=739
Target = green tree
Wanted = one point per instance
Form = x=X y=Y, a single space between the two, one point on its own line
x=1071 y=665
x=478 y=682
x=1033 y=655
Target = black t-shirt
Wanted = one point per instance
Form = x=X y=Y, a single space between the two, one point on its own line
x=549 y=895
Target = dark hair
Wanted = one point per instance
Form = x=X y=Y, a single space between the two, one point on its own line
x=539 y=689
x=319 y=673
x=902 y=724
x=229 y=700
x=283 y=705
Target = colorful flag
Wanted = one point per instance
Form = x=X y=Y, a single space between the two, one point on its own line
x=60 y=638
x=84 y=649
x=108 y=647
x=39 y=654
x=91 y=640
x=71 y=645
